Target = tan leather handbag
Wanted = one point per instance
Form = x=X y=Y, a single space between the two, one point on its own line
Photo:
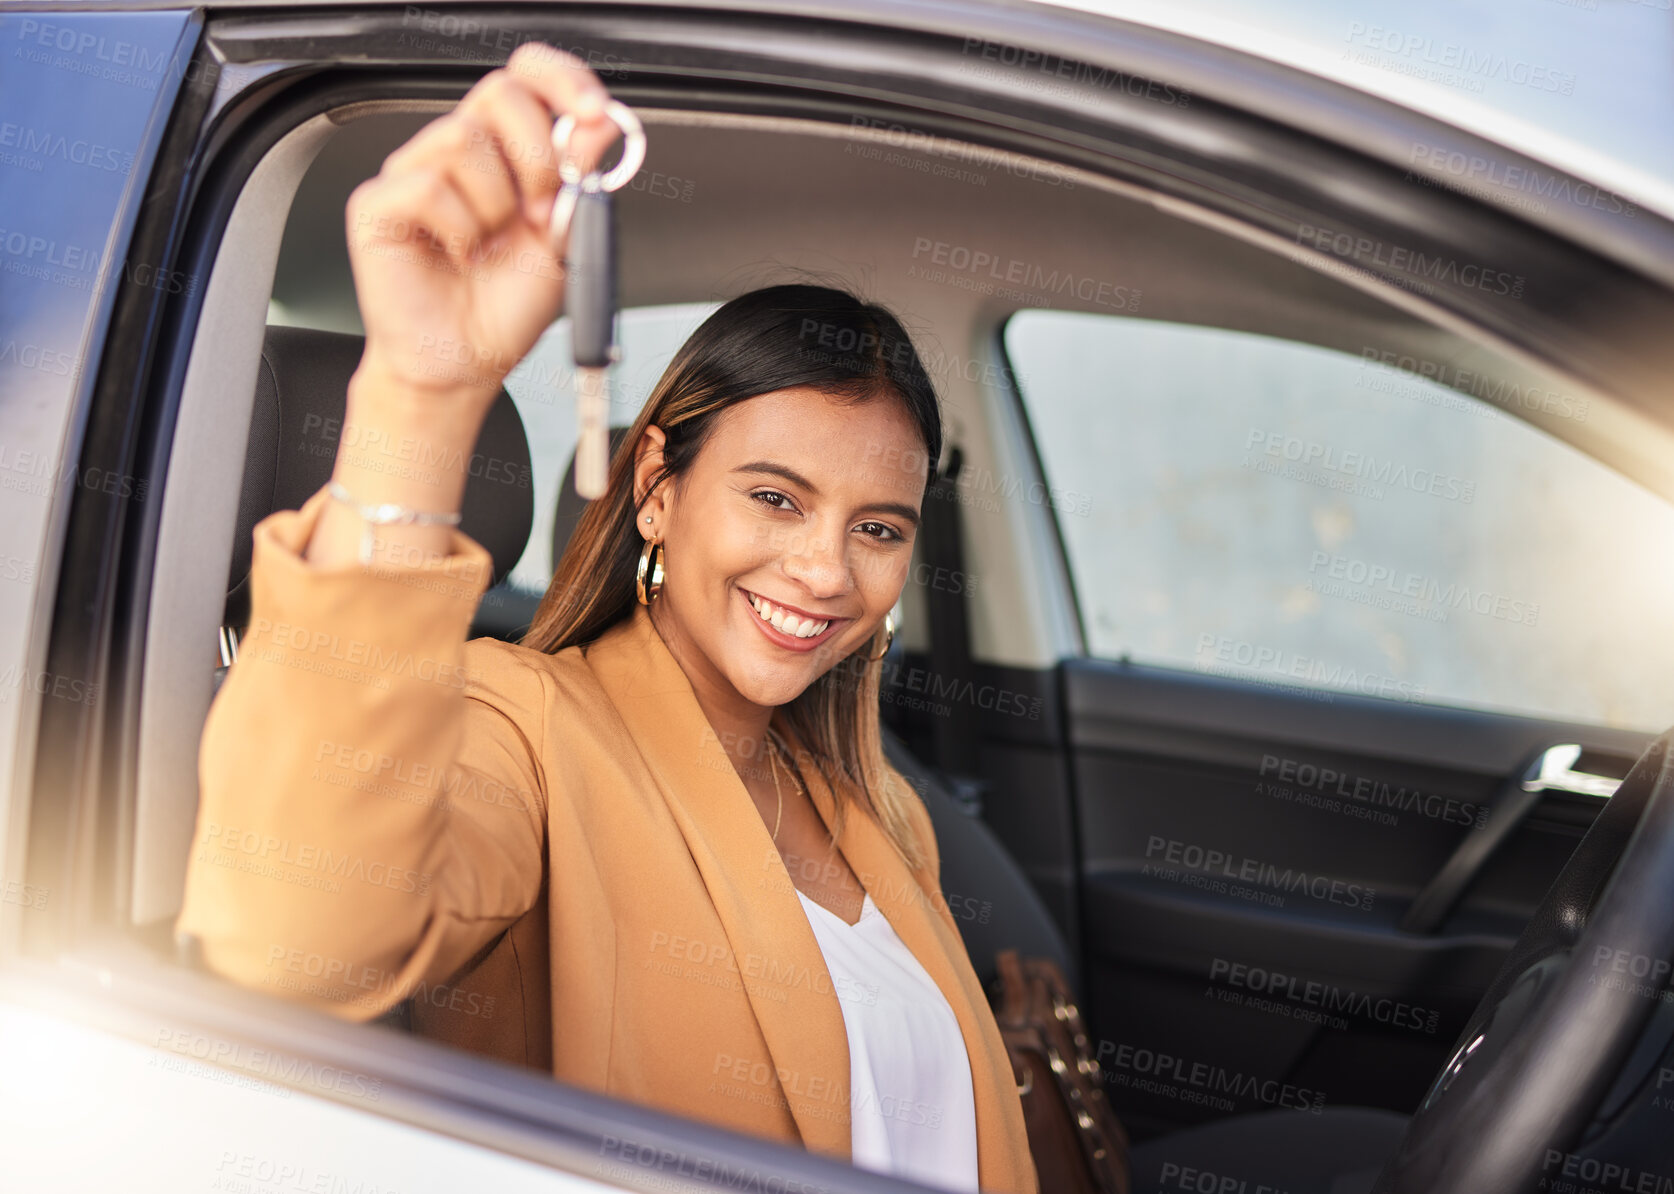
x=1078 y=1144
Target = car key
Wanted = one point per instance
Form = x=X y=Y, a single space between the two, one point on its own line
x=584 y=216
x=590 y=300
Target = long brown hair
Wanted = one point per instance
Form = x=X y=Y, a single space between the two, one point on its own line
x=771 y=339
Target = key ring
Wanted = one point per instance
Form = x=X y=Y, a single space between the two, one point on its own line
x=633 y=156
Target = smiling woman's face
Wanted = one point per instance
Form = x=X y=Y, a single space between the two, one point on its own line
x=799 y=506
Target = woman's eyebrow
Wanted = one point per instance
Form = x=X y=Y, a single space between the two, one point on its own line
x=779 y=470
x=795 y=478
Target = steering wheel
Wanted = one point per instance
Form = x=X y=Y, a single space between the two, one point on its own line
x=1544 y=1049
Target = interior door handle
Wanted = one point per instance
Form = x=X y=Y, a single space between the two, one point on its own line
x=1553 y=770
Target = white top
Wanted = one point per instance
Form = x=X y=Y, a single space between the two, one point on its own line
x=910 y=1100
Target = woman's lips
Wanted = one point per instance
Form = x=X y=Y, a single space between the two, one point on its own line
x=788 y=641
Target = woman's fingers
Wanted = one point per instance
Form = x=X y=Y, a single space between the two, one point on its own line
x=521 y=130
x=497 y=144
x=564 y=84
x=466 y=151
x=418 y=208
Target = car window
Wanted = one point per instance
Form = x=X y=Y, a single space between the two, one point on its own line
x=543 y=388
x=1293 y=515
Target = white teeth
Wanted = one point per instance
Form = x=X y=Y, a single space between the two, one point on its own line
x=787 y=623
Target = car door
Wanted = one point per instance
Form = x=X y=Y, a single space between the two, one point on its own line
x=84 y=956
x=1340 y=720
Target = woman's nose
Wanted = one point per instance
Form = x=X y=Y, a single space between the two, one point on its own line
x=817 y=561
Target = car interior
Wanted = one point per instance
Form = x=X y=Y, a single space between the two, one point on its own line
x=1075 y=792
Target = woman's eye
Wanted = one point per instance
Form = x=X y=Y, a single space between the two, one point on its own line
x=771 y=498
x=880 y=530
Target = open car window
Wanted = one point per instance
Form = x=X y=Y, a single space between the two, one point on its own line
x=1299 y=516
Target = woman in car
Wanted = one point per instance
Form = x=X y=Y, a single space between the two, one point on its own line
x=654 y=849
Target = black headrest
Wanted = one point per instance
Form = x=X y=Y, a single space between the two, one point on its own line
x=571 y=504
x=301 y=394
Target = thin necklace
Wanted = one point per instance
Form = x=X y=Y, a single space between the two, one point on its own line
x=773 y=760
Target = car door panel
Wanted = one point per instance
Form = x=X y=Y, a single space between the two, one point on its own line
x=1248 y=854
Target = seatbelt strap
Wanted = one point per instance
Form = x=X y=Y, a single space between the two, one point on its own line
x=955 y=734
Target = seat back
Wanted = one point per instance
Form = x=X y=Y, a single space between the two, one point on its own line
x=301 y=397
x=571 y=503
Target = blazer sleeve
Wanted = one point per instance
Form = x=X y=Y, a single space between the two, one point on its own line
x=372 y=805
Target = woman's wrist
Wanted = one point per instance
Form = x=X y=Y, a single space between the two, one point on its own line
x=405 y=447
x=381 y=395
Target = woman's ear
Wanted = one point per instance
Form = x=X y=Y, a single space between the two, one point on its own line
x=648 y=462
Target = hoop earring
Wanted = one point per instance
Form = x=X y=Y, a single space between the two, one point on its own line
x=648 y=593
x=889 y=637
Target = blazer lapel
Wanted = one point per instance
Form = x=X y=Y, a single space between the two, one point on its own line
x=767 y=928
x=924 y=924
x=779 y=960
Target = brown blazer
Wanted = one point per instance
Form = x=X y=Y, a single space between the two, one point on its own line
x=552 y=853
